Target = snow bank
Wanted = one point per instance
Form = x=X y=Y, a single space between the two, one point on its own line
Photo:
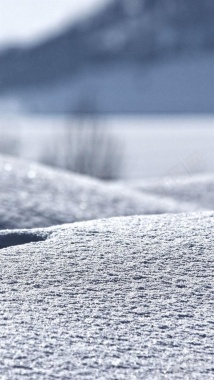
x=196 y=190
x=123 y=298
x=36 y=196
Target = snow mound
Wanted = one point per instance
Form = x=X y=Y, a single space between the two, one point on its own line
x=196 y=189
x=123 y=298
x=33 y=195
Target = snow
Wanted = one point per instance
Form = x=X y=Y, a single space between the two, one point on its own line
x=33 y=195
x=122 y=298
x=116 y=298
x=85 y=295
x=196 y=189
x=149 y=146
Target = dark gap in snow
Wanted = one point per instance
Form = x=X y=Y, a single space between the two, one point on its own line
x=19 y=238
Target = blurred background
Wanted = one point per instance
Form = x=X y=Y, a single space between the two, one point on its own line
x=116 y=89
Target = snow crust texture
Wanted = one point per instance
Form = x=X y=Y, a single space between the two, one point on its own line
x=123 y=298
x=33 y=195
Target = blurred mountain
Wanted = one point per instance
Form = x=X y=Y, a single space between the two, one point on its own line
x=128 y=41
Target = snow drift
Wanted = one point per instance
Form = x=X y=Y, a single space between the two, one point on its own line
x=124 y=298
x=196 y=189
x=33 y=195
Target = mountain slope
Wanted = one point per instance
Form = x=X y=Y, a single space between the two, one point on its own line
x=130 y=33
x=125 y=30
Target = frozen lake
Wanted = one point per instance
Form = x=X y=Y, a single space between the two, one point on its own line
x=151 y=146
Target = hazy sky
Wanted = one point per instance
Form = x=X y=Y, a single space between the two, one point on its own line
x=24 y=20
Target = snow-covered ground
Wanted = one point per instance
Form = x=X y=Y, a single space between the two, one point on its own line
x=116 y=298
x=84 y=295
x=123 y=298
x=197 y=189
x=151 y=146
x=32 y=195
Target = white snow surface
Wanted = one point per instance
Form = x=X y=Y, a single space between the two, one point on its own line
x=197 y=189
x=121 y=298
x=33 y=195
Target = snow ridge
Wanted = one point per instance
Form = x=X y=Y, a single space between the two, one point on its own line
x=33 y=195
